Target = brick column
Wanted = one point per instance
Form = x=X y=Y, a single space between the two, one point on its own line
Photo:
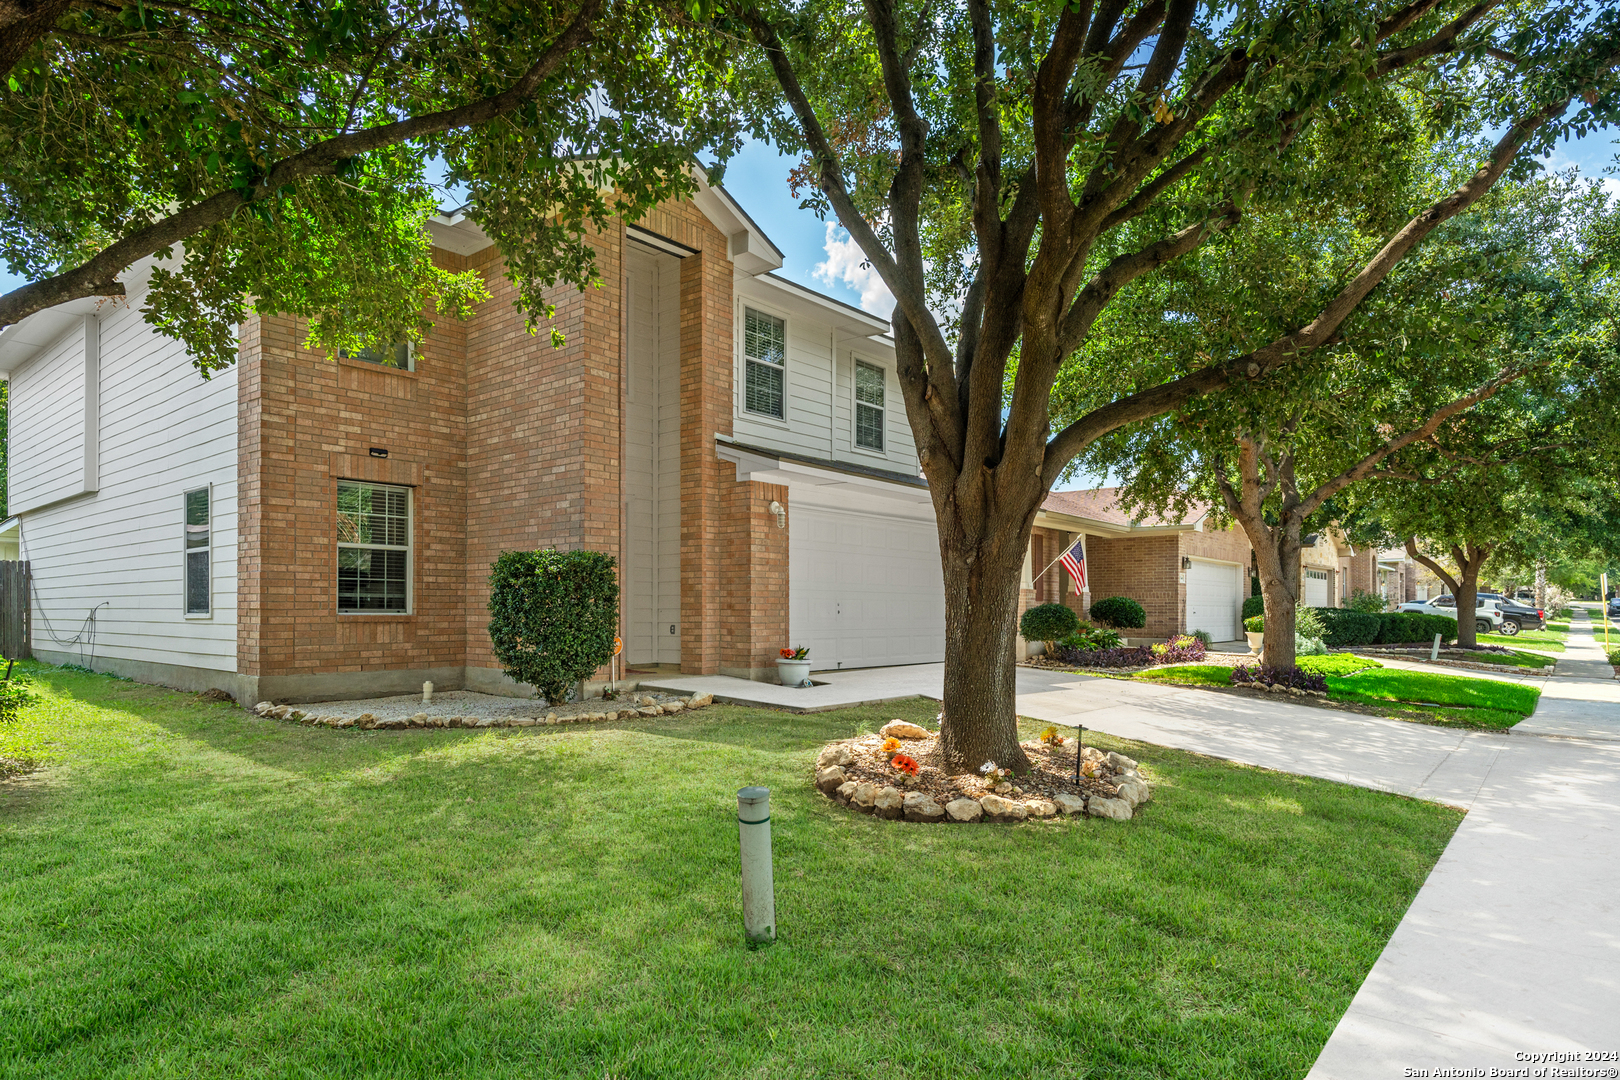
x=706 y=318
x=754 y=584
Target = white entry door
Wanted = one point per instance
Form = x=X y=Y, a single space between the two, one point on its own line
x=1316 y=588
x=1214 y=598
x=864 y=589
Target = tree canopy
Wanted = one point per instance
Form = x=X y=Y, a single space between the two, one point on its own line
x=1009 y=169
x=288 y=151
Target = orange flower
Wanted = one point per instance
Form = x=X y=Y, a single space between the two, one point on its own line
x=787 y=654
x=890 y=745
x=904 y=764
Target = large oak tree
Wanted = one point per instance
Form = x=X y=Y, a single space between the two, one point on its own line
x=1008 y=168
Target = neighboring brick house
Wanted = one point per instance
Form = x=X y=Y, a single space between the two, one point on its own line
x=301 y=527
x=1186 y=574
x=1389 y=573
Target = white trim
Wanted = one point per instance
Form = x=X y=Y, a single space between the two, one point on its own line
x=855 y=404
x=92 y=404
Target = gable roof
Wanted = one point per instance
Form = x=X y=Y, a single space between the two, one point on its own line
x=1100 y=507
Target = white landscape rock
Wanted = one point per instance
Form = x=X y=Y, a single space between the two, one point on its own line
x=963 y=809
x=830 y=779
x=920 y=807
x=1070 y=804
x=1116 y=809
x=889 y=803
x=1132 y=791
x=1003 y=810
x=904 y=729
x=1120 y=761
x=846 y=791
x=834 y=755
x=864 y=795
x=1042 y=808
x=700 y=700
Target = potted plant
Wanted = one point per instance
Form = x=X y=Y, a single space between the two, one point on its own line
x=793 y=669
x=1254 y=628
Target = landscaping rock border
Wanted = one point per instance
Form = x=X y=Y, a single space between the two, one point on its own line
x=634 y=706
x=859 y=774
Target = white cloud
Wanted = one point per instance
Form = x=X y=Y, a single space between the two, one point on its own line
x=846 y=265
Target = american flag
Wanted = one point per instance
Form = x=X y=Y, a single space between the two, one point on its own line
x=1074 y=561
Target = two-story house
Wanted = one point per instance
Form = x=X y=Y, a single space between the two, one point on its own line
x=306 y=526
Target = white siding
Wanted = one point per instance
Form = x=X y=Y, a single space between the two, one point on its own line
x=819 y=393
x=163 y=430
x=46 y=440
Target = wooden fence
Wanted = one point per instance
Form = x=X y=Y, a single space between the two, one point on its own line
x=16 y=620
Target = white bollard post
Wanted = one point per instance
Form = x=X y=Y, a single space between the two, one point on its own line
x=754 y=841
x=427 y=693
x=1434 y=653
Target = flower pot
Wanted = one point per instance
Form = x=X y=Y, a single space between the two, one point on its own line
x=1255 y=641
x=793 y=672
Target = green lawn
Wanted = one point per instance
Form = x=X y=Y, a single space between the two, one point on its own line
x=192 y=891
x=1430 y=698
x=1429 y=688
x=1512 y=659
x=1548 y=640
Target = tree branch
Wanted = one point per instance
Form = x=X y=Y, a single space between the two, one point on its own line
x=97 y=276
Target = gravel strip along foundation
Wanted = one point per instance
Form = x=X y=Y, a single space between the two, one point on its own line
x=862 y=775
x=465 y=709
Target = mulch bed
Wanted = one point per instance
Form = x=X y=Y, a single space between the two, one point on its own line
x=1052 y=771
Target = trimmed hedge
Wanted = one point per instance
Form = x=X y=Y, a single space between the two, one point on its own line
x=553 y=616
x=1347 y=629
x=1253 y=605
x=1048 y=622
x=1120 y=611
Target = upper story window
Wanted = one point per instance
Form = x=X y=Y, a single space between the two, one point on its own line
x=869 y=382
x=398 y=355
x=374 y=548
x=199 y=552
x=765 y=363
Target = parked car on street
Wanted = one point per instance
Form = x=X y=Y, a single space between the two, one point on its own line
x=1488 y=617
x=1614 y=606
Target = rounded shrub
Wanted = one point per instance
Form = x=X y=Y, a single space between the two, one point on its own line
x=1253 y=605
x=1119 y=611
x=553 y=616
x=1048 y=622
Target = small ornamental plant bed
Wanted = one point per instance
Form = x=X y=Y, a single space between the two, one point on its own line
x=895 y=774
x=1180 y=649
x=518 y=714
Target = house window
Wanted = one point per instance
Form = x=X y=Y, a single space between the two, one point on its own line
x=199 y=549
x=765 y=360
x=868 y=406
x=374 y=548
x=398 y=355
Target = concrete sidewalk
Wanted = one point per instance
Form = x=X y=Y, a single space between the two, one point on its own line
x=1513 y=944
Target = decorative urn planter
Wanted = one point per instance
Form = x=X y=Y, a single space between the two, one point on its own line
x=1255 y=641
x=793 y=672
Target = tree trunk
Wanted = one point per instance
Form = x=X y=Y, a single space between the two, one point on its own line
x=981 y=670
x=1541 y=585
x=1276 y=556
x=1469 y=565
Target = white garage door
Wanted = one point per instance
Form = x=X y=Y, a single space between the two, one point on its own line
x=864 y=590
x=1316 y=588
x=1214 y=599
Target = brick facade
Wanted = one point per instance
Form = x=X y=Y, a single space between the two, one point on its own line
x=506 y=443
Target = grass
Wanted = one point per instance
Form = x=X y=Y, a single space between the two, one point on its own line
x=193 y=891
x=1513 y=659
x=1614 y=657
x=1428 y=688
x=1429 y=698
x=1547 y=640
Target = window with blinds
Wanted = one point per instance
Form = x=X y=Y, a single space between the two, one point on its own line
x=374 y=548
x=869 y=410
x=765 y=361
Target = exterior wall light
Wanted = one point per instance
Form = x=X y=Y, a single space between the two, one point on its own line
x=781 y=513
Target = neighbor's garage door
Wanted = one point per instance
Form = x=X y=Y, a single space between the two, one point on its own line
x=864 y=589
x=1316 y=588
x=1214 y=599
